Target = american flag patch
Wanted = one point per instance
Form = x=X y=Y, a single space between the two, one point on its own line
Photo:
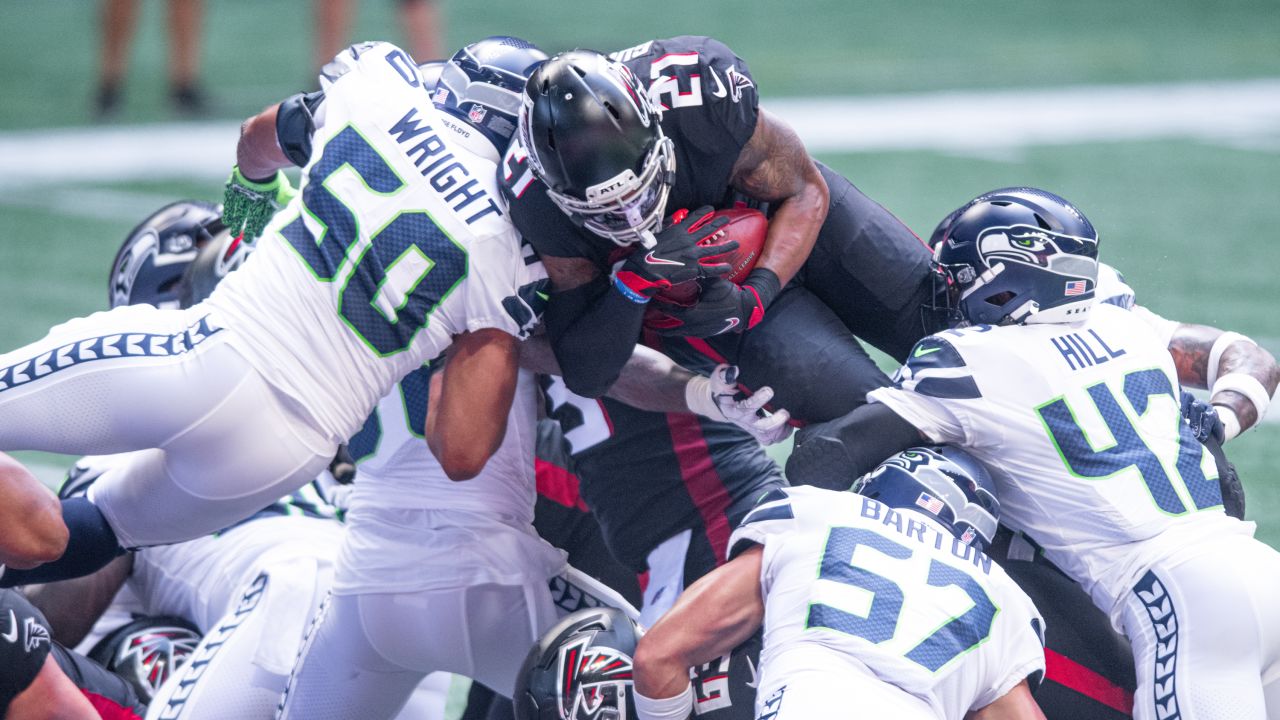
x=1076 y=287
x=929 y=503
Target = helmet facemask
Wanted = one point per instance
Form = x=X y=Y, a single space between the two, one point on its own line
x=626 y=209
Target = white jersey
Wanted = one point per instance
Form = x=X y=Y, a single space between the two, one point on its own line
x=397 y=470
x=893 y=590
x=1081 y=429
x=396 y=242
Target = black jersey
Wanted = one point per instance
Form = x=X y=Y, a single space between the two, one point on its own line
x=648 y=476
x=709 y=110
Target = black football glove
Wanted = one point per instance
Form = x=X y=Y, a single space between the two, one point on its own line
x=1203 y=419
x=676 y=257
x=723 y=306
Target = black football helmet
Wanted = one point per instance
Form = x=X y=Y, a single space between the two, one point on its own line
x=581 y=669
x=1015 y=255
x=481 y=85
x=944 y=482
x=175 y=257
x=594 y=139
x=147 y=651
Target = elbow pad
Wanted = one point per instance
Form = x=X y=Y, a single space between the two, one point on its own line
x=295 y=124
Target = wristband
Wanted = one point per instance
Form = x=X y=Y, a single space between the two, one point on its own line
x=766 y=284
x=672 y=708
x=1224 y=341
x=697 y=396
x=1248 y=386
x=1230 y=423
x=263 y=186
x=628 y=293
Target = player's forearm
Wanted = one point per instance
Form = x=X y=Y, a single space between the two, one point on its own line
x=73 y=606
x=775 y=166
x=467 y=422
x=714 y=615
x=258 y=153
x=1241 y=376
x=593 y=330
x=649 y=380
x=793 y=230
x=31 y=516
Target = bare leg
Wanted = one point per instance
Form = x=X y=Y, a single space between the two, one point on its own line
x=184 y=41
x=119 y=17
x=333 y=23
x=421 y=20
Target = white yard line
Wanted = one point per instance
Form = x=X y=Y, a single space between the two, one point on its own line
x=1241 y=114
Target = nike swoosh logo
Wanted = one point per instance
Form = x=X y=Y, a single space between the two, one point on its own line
x=719 y=91
x=12 y=635
x=754 y=684
x=654 y=260
x=729 y=324
x=921 y=352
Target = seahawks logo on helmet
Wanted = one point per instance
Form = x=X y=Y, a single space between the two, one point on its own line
x=1042 y=248
x=593 y=681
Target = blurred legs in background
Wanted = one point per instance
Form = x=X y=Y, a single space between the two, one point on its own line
x=420 y=22
x=118 y=23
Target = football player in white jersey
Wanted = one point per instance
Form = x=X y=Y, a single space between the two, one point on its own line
x=395 y=249
x=1073 y=405
x=250 y=589
x=878 y=603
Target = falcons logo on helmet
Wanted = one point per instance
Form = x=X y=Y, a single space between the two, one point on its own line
x=593 y=681
x=155 y=653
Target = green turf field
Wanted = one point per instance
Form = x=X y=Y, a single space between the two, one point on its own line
x=1192 y=224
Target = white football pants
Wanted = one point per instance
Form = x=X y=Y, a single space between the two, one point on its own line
x=1205 y=630
x=221 y=442
x=365 y=653
x=241 y=666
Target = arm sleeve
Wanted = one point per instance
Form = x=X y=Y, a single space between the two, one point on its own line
x=24 y=645
x=593 y=330
x=296 y=124
x=927 y=390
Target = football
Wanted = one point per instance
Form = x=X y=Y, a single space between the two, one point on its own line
x=749 y=227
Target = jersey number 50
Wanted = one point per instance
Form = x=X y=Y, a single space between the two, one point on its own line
x=409 y=266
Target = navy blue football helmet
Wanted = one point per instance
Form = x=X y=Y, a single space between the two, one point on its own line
x=1015 y=255
x=943 y=482
x=175 y=257
x=481 y=85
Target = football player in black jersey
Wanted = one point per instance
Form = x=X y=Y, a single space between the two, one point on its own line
x=608 y=147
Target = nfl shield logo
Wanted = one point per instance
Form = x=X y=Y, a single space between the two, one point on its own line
x=476 y=113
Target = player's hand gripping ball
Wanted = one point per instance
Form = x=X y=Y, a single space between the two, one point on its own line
x=748 y=228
